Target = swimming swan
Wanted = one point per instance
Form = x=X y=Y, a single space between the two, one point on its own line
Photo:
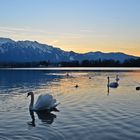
x=112 y=84
x=44 y=102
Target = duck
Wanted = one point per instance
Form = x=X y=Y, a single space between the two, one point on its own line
x=112 y=84
x=67 y=75
x=76 y=86
x=137 y=88
x=44 y=102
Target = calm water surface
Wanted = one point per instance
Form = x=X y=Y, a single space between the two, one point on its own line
x=87 y=112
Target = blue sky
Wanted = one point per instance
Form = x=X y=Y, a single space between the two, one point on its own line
x=78 y=25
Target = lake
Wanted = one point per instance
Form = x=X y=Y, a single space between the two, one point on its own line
x=85 y=113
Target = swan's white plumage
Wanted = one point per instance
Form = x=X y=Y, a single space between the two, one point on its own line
x=113 y=84
x=44 y=102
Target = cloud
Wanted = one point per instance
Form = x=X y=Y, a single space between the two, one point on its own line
x=22 y=30
x=12 y=29
x=55 y=41
x=87 y=31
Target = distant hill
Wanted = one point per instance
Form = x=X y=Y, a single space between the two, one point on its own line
x=31 y=51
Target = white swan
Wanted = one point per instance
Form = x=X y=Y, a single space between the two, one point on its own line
x=112 y=84
x=44 y=102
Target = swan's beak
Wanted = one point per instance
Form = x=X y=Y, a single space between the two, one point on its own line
x=29 y=93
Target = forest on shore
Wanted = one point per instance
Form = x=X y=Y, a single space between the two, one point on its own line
x=84 y=63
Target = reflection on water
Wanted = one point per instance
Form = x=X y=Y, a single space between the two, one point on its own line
x=86 y=112
x=109 y=88
x=44 y=116
x=32 y=123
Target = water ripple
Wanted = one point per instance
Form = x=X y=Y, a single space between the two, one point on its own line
x=86 y=112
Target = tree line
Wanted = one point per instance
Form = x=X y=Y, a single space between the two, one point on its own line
x=84 y=63
x=102 y=63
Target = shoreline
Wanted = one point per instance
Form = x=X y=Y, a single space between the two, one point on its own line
x=79 y=68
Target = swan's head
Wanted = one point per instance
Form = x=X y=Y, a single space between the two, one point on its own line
x=29 y=94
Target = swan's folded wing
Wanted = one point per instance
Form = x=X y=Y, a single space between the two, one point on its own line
x=43 y=102
x=54 y=103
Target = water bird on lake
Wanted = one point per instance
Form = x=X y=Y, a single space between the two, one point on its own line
x=44 y=102
x=117 y=78
x=112 y=84
x=68 y=75
x=137 y=88
x=76 y=86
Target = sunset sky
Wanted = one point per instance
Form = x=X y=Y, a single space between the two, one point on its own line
x=77 y=25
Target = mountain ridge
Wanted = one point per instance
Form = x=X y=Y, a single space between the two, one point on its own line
x=29 y=51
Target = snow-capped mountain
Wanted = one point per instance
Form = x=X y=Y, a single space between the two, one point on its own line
x=29 y=51
x=5 y=40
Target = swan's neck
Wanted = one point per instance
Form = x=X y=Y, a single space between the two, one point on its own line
x=108 y=81
x=32 y=102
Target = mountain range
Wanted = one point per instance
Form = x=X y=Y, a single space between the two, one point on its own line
x=32 y=51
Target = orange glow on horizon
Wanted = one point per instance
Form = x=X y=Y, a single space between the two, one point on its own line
x=135 y=53
x=130 y=51
x=83 y=46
